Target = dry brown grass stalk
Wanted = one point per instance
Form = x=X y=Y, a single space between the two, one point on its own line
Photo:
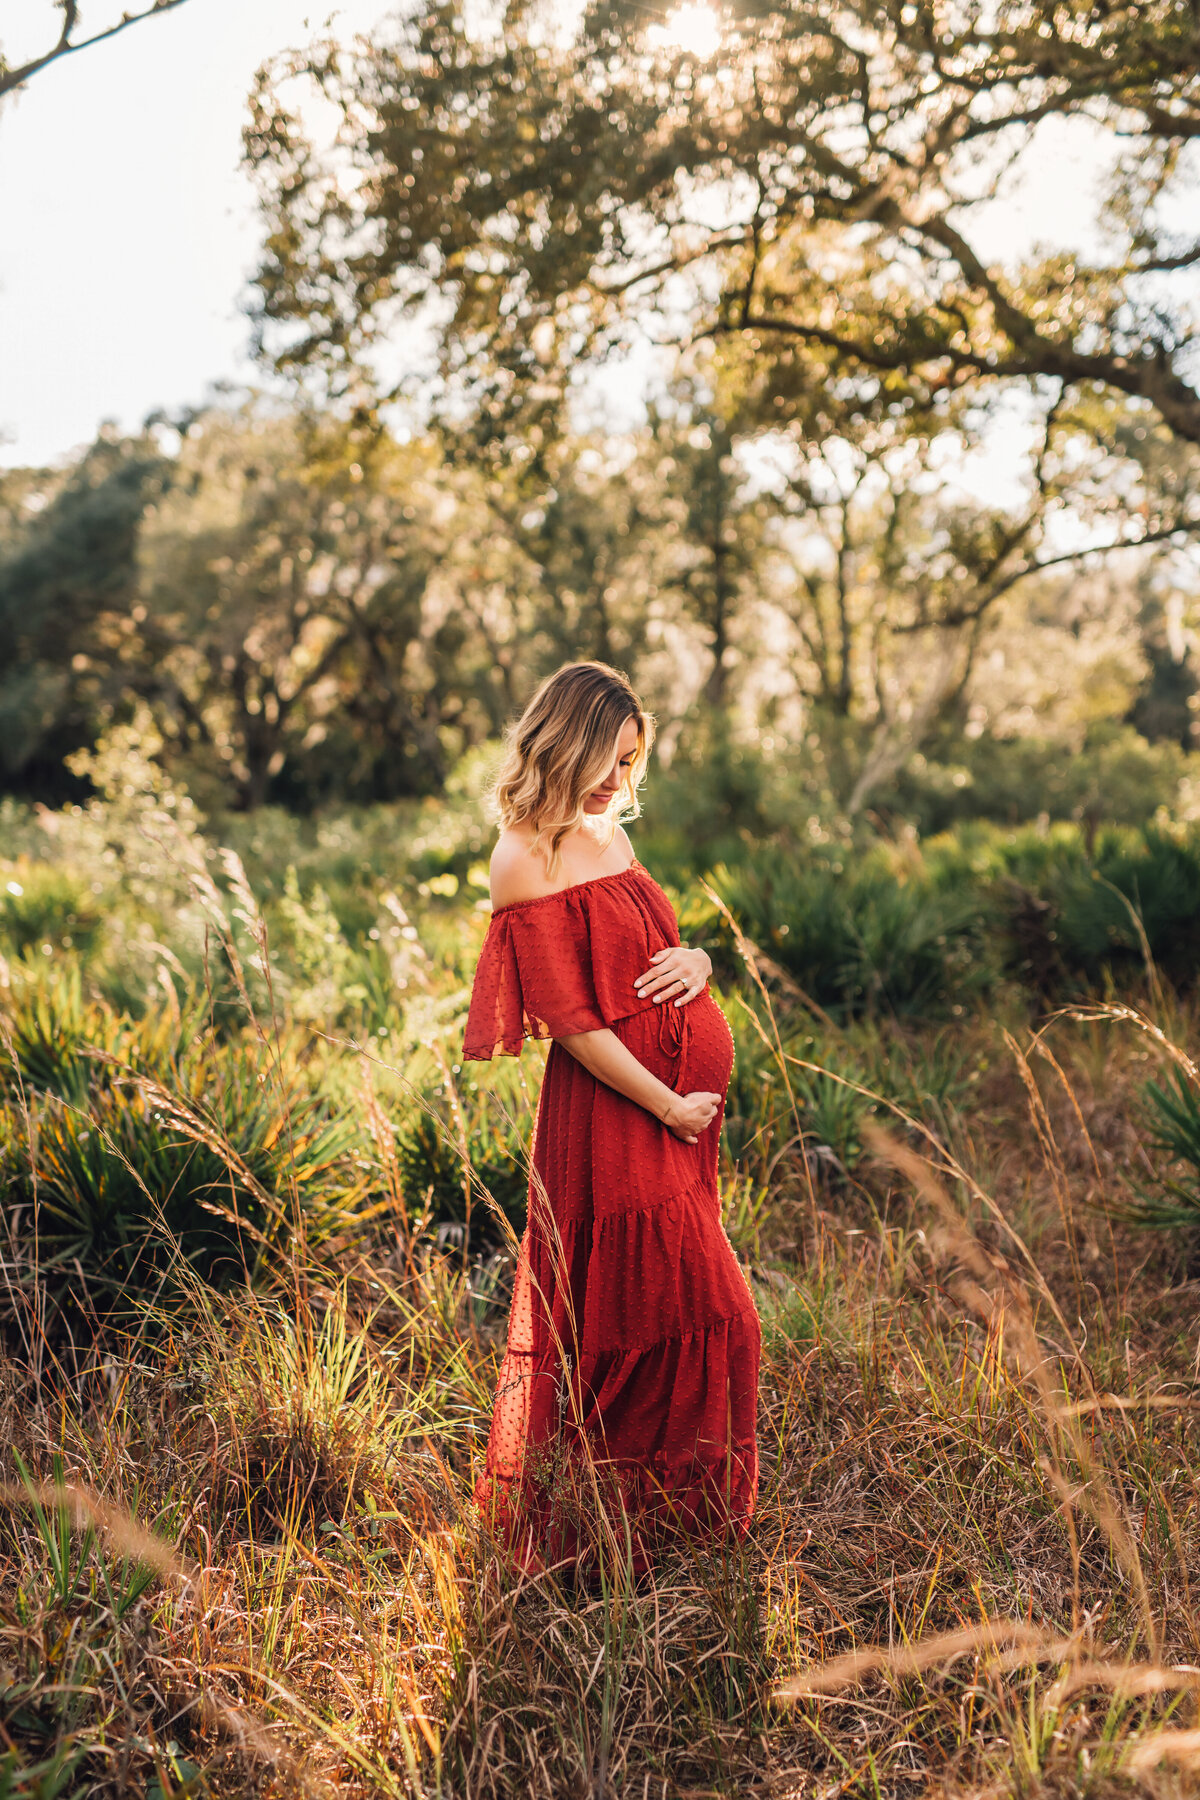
x=1166 y=1746
x=240 y=1724
x=1024 y=1643
x=990 y=1291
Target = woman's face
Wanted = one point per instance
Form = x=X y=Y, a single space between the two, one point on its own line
x=601 y=797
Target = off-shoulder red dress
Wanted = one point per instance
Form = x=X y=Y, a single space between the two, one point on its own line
x=631 y=1371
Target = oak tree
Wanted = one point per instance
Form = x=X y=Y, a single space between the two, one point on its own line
x=811 y=187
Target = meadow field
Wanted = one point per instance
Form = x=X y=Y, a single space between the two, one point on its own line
x=258 y=1228
x=830 y=371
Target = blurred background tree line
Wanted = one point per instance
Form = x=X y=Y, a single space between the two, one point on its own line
x=899 y=532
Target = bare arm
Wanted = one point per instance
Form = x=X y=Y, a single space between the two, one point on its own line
x=604 y=1055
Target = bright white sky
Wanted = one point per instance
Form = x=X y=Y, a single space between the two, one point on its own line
x=126 y=227
x=127 y=230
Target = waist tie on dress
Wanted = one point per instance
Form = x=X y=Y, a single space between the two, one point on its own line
x=674 y=1033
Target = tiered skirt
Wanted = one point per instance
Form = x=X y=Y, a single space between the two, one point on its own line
x=627 y=1395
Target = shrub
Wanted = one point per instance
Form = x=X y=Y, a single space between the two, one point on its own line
x=432 y=1175
x=1158 y=873
x=863 y=940
x=54 y=1036
x=922 y=932
x=930 y=1077
x=42 y=905
x=1115 y=776
x=714 y=797
x=138 y=1157
x=1172 y=1117
x=757 y=1110
x=299 y=1418
x=1091 y=901
x=832 y=1115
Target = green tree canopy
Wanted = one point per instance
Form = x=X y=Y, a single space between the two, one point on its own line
x=69 y=594
x=810 y=189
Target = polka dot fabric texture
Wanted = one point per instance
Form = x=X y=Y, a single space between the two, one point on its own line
x=630 y=1379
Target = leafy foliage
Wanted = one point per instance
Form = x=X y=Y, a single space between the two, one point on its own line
x=1105 y=906
x=1172 y=1108
x=436 y=1179
x=50 y=907
x=767 y=194
x=294 y=609
x=138 y=1158
x=68 y=590
x=860 y=939
x=308 y=1450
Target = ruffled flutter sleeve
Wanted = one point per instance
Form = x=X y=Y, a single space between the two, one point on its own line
x=534 y=980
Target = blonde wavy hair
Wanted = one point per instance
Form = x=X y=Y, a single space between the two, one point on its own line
x=561 y=747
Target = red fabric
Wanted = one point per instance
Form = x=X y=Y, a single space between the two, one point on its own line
x=629 y=1386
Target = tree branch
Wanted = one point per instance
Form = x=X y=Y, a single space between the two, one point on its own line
x=1147 y=378
x=967 y=615
x=10 y=79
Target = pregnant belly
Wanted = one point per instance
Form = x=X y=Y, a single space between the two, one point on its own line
x=636 y=1162
x=689 y=1047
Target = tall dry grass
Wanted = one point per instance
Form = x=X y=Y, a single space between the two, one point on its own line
x=239 y=1556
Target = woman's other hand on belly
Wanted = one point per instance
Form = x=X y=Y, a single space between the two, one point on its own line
x=676 y=974
x=691 y=1114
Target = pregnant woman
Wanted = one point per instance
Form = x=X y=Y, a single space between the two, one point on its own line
x=628 y=1390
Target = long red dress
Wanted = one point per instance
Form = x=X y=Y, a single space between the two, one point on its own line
x=629 y=1386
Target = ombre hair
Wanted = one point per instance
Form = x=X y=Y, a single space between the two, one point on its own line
x=562 y=746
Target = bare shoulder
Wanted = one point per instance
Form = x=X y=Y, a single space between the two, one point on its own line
x=516 y=873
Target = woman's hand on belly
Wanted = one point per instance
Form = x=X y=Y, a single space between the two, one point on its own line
x=691 y=1114
x=676 y=973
